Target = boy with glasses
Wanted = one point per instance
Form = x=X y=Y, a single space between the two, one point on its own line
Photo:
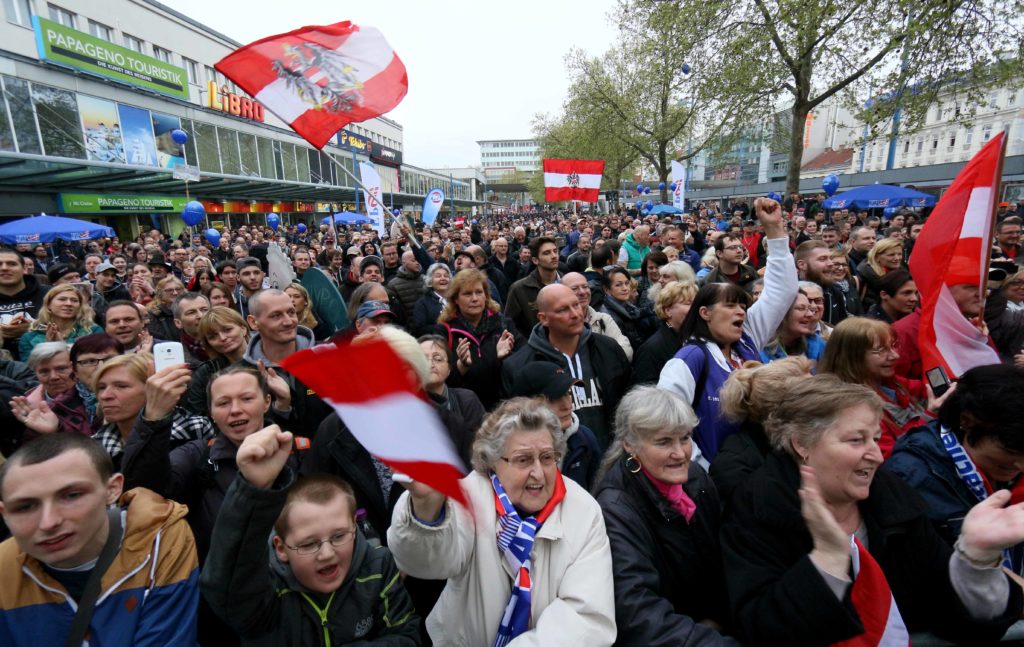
x=326 y=584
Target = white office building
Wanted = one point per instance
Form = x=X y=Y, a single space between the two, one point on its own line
x=500 y=158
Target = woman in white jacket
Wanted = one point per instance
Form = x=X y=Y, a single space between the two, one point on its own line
x=531 y=564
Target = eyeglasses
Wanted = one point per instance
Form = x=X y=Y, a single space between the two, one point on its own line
x=93 y=361
x=438 y=359
x=732 y=248
x=893 y=348
x=820 y=301
x=526 y=461
x=313 y=547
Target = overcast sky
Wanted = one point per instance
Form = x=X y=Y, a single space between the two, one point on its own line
x=477 y=70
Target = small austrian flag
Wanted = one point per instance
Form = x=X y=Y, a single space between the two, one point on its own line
x=319 y=79
x=572 y=179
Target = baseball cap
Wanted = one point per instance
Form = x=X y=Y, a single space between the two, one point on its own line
x=371 y=309
x=1004 y=204
x=353 y=251
x=543 y=378
x=104 y=266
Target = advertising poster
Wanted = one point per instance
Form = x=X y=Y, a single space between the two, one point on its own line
x=168 y=153
x=139 y=144
x=102 y=128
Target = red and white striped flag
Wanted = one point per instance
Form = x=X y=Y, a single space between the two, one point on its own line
x=572 y=179
x=319 y=79
x=953 y=249
x=375 y=394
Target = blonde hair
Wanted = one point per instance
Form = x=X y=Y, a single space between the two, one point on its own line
x=881 y=247
x=672 y=294
x=306 y=317
x=754 y=390
x=846 y=352
x=219 y=317
x=139 y=365
x=811 y=406
x=85 y=312
x=462 y=280
x=167 y=281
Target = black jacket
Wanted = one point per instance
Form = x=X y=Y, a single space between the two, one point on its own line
x=778 y=596
x=409 y=287
x=484 y=374
x=510 y=268
x=28 y=301
x=628 y=318
x=161 y=325
x=425 y=313
x=668 y=572
x=740 y=455
x=267 y=605
x=195 y=399
x=652 y=355
x=835 y=305
x=16 y=379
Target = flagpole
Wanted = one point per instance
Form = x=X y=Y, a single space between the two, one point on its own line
x=987 y=257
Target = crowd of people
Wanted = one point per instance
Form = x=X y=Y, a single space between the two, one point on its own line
x=710 y=429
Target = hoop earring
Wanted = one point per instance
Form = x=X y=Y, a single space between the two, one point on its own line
x=632 y=457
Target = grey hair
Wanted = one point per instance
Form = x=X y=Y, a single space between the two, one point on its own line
x=811 y=406
x=517 y=414
x=680 y=270
x=810 y=285
x=428 y=278
x=46 y=351
x=643 y=412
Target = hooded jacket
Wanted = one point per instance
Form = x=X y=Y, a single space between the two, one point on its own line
x=521 y=306
x=148 y=595
x=408 y=286
x=28 y=300
x=598 y=361
x=308 y=410
x=268 y=606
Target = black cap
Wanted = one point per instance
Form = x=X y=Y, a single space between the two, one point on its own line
x=158 y=259
x=543 y=378
x=60 y=270
x=463 y=252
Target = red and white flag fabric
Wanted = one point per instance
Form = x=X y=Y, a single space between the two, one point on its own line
x=572 y=179
x=953 y=249
x=319 y=79
x=374 y=392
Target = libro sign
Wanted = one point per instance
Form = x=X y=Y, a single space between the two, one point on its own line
x=231 y=103
x=114 y=204
x=71 y=48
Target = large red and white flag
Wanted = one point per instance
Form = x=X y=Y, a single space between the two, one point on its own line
x=375 y=394
x=953 y=249
x=319 y=79
x=572 y=179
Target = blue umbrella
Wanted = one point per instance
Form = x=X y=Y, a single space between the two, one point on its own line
x=879 y=196
x=46 y=229
x=347 y=218
x=665 y=208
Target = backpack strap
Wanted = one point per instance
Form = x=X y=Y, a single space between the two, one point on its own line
x=91 y=593
x=698 y=389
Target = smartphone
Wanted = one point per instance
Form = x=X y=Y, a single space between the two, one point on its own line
x=168 y=353
x=938 y=380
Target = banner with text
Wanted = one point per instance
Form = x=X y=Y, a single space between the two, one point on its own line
x=374 y=207
x=72 y=48
x=119 y=204
x=679 y=177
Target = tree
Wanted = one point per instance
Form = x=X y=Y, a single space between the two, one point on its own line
x=885 y=58
x=656 y=93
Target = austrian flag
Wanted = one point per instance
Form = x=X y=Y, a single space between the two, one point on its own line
x=572 y=179
x=380 y=402
x=319 y=79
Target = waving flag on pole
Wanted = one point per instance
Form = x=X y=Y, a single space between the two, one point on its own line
x=319 y=79
x=954 y=249
x=679 y=179
x=380 y=404
x=572 y=179
x=374 y=207
x=432 y=205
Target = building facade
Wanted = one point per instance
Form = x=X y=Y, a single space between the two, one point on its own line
x=92 y=91
x=501 y=158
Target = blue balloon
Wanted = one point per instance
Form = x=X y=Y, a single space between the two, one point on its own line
x=672 y=187
x=661 y=186
x=302 y=227
x=179 y=136
x=193 y=213
x=830 y=184
x=686 y=68
x=396 y=212
x=213 y=236
x=650 y=204
x=774 y=195
x=273 y=221
x=639 y=188
x=639 y=204
x=647 y=190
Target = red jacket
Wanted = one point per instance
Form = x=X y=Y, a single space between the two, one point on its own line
x=904 y=411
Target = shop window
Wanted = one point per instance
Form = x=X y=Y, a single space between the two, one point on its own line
x=265 y=148
x=291 y=171
x=191 y=156
x=23 y=118
x=278 y=161
x=302 y=163
x=6 y=132
x=206 y=143
x=316 y=174
x=229 y=159
x=250 y=155
x=59 y=125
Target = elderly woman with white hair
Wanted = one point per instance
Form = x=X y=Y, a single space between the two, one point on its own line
x=530 y=564
x=429 y=306
x=54 y=405
x=662 y=515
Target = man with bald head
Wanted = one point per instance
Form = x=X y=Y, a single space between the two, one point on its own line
x=595 y=360
x=634 y=249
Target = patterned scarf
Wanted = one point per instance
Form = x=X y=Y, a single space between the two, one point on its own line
x=515 y=541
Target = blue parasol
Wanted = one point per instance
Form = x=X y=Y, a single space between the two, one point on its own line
x=347 y=218
x=879 y=196
x=46 y=229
